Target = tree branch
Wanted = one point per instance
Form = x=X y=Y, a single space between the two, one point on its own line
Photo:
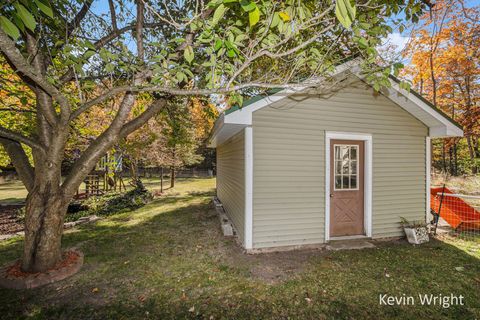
x=17 y=110
x=15 y=136
x=38 y=64
x=20 y=161
x=72 y=25
x=68 y=76
x=186 y=92
x=105 y=141
x=8 y=48
x=277 y=55
x=139 y=31
x=139 y=121
x=113 y=15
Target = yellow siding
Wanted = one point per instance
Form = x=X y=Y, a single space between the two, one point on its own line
x=231 y=180
x=289 y=160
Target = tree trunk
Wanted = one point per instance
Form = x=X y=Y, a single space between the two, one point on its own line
x=455 y=157
x=172 y=176
x=161 y=180
x=134 y=170
x=45 y=212
x=450 y=158
x=444 y=157
x=471 y=152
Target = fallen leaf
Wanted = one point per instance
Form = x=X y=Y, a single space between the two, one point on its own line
x=308 y=300
x=95 y=290
x=192 y=309
x=459 y=268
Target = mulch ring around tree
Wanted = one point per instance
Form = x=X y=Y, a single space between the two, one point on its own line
x=13 y=277
x=9 y=221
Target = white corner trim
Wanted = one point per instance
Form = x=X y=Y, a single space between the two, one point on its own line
x=428 y=170
x=248 y=241
x=329 y=135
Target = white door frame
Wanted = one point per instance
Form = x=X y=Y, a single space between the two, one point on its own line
x=367 y=138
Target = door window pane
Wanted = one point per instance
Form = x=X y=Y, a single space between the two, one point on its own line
x=353 y=182
x=338 y=182
x=346 y=167
x=338 y=167
x=353 y=167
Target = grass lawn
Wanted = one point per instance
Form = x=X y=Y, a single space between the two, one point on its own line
x=169 y=260
x=12 y=192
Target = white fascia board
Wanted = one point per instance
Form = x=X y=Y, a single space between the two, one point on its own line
x=408 y=101
x=243 y=116
x=439 y=126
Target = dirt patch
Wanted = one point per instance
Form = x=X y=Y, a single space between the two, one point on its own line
x=279 y=266
x=272 y=267
x=9 y=222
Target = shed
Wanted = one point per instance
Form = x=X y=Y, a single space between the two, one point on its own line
x=302 y=167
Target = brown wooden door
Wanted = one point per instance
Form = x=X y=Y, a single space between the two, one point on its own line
x=347 y=188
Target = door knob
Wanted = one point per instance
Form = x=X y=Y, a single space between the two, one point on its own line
x=331 y=195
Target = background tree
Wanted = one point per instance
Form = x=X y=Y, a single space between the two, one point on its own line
x=186 y=125
x=173 y=138
x=168 y=49
x=445 y=67
x=15 y=112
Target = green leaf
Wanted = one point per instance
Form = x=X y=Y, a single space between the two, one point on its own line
x=363 y=43
x=231 y=53
x=254 y=17
x=109 y=67
x=181 y=76
x=352 y=11
x=9 y=28
x=26 y=16
x=345 y=12
x=45 y=8
x=248 y=6
x=218 y=14
x=188 y=54
x=218 y=44
x=88 y=54
x=18 y=22
x=275 y=20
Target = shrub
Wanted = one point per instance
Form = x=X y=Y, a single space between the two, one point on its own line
x=105 y=205
x=114 y=203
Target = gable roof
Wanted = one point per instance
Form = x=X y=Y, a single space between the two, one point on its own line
x=235 y=119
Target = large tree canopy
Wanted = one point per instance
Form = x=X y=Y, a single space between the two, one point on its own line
x=73 y=55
